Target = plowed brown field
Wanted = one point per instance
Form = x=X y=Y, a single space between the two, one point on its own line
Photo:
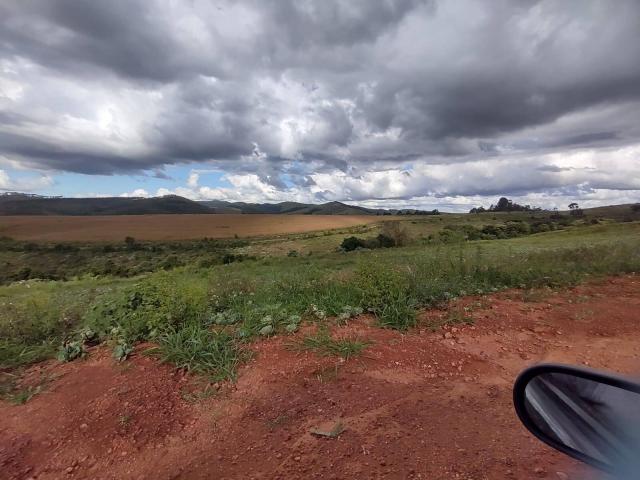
x=168 y=227
x=416 y=405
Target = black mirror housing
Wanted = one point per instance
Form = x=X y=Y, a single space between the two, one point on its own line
x=587 y=414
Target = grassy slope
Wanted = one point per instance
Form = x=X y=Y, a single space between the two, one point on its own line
x=240 y=300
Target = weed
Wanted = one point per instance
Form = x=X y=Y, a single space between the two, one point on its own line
x=122 y=351
x=200 y=350
x=347 y=313
x=324 y=344
x=69 y=351
x=16 y=394
x=124 y=419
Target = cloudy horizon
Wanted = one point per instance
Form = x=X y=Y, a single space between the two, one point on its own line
x=406 y=103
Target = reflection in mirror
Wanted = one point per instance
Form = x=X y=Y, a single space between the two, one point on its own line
x=598 y=420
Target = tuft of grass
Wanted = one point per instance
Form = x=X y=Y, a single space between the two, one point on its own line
x=18 y=353
x=324 y=344
x=19 y=395
x=198 y=349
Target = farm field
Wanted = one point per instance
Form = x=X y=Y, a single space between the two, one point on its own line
x=114 y=228
x=185 y=359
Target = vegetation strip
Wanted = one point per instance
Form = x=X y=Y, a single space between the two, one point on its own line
x=202 y=317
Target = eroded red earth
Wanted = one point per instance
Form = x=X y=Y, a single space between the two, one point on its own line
x=429 y=405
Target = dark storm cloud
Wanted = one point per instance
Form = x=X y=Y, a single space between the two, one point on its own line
x=57 y=157
x=132 y=39
x=314 y=86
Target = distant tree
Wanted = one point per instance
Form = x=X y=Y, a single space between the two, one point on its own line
x=575 y=209
x=130 y=242
x=506 y=205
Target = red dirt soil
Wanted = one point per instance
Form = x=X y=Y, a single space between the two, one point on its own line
x=113 y=228
x=419 y=405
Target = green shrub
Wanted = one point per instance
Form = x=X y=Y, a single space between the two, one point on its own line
x=144 y=310
x=385 y=292
x=352 y=243
x=385 y=241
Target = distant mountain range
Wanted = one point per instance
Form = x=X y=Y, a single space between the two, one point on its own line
x=23 y=204
x=26 y=204
x=294 y=208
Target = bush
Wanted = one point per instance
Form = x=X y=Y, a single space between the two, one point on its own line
x=228 y=258
x=397 y=232
x=381 y=241
x=352 y=243
x=384 y=241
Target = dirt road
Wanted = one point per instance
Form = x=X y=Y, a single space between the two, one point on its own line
x=429 y=405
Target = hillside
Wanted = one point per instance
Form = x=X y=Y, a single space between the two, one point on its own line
x=22 y=204
x=25 y=204
x=295 y=208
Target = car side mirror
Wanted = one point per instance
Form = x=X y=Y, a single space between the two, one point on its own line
x=589 y=415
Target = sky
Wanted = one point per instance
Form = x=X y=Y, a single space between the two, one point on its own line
x=382 y=103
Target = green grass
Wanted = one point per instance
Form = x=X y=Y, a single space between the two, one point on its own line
x=324 y=344
x=199 y=316
x=197 y=349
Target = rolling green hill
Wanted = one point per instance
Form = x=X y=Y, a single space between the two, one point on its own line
x=22 y=204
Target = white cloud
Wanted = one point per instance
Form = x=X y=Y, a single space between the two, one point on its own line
x=591 y=177
x=192 y=181
x=138 y=192
x=24 y=184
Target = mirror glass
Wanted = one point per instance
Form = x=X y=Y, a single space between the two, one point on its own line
x=598 y=420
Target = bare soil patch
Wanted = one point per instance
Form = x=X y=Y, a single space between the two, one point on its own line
x=168 y=227
x=429 y=405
